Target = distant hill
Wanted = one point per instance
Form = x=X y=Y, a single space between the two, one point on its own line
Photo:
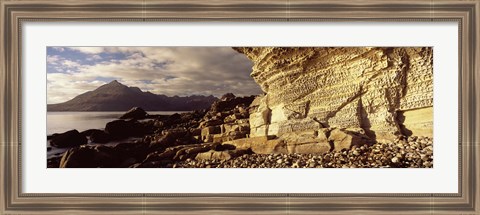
x=115 y=96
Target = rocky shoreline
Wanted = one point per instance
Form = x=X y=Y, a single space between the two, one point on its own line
x=418 y=152
x=220 y=138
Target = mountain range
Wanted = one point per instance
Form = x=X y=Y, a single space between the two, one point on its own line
x=115 y=96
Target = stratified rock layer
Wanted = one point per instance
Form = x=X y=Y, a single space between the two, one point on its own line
x=383 y=91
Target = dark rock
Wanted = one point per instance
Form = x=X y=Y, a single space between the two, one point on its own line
x=89 y=132
x=195 y=131
x=89 y=157
x=135 y=113
x=122 y=129
x=154 y=164
x=49 y=137
x=135 y=150
x=175 y=117
x=68 y=139
x=176 y=133
x=227 y=105
x=210 y=122
x=227 y=97
x=49 y=149
x=161 y=143
x=173 y=137
x=53 y=162
x=159 y=156
x=127 y=162
x=99 y=136
x=192 y=151
x=223 y=147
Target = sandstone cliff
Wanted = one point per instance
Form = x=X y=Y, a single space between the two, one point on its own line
x=379 y=91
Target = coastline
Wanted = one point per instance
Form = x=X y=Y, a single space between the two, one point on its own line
x=220 y=138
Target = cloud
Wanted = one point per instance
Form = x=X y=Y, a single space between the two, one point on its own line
x=88 y=50
x=60 y=49
x=64 y=86
x=53 y=59
x=162 y=70
x=70 y=64
x=94 y=57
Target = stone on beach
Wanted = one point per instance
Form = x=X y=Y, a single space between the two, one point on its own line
x=68 y=139
x=122 y=129
x=135 y=113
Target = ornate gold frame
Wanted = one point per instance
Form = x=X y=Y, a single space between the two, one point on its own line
x=15 y=12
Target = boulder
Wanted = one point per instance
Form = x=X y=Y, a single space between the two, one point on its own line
x=53 y=162
x=176 y=133
x=121 y=129
x=308 y=142
x=343 y=139
x=227 y=96
x=135 y=113
x=231 y=103
x=196 y=131
x=127 y=162
x=166 y=154
x=49 y=137
x=235 y=127
x=208 y=132
x=89 y=157
x=232 y=135
x=172 y=137
x=236 y=116
x=137 y=150
x=159 y=156
x=192 y=151
x=89 y=132
x=210 y=122
x=68 y=139
x=99 y=136
x=223 y=147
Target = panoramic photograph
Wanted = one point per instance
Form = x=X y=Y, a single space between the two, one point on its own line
x=239 y=107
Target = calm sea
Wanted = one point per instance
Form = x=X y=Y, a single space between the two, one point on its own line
x=59 y=122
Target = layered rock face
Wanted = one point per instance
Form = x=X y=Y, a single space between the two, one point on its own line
x=381 y=92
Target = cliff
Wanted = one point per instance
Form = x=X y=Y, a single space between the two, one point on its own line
x=382 y=92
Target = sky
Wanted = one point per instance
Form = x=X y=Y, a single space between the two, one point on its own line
x=170 y=71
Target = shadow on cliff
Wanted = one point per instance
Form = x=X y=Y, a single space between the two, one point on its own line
x=400 y=120
x=363 y=119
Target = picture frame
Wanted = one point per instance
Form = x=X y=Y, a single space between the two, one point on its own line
x=14 y=13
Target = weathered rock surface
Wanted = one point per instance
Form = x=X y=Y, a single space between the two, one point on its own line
x=68 y=139
x=227 y=119
x=380 y=90
x=306 y=143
